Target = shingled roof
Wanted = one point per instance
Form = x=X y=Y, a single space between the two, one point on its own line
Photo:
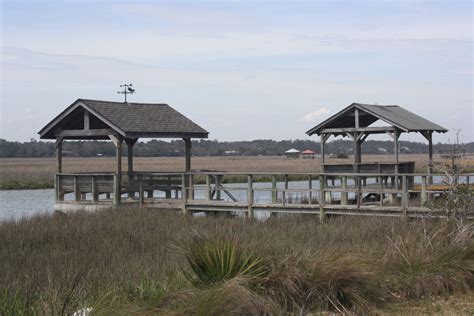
x=394 y=115
x=127 y=119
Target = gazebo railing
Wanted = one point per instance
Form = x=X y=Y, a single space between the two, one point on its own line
x=323 y=193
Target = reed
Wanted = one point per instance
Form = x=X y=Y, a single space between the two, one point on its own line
x=127 y=262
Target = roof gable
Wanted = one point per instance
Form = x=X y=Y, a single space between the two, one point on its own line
x=131 y=119
x=392 y=114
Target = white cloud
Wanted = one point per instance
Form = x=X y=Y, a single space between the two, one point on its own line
x=313 y=116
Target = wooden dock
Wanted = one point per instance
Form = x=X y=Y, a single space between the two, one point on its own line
x=400 y=195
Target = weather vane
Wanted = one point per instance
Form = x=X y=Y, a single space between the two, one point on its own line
x=127 y=89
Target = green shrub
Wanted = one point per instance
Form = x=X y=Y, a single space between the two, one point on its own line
x=212 y=261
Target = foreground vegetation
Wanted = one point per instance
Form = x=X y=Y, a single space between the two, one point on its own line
x=148 y=261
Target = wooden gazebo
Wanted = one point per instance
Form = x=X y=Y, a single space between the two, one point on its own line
x=120 y=122
x=355 y=122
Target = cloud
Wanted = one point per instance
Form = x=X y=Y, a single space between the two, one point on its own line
x=313 y=116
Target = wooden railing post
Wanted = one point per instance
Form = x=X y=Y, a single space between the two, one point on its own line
x=208 y=188
x=310 y=187
x=77 y=193
x=404 y=196
x=250 y=196
x=168 y=190
x=184 y=195
x=381 y=191
x=218 y=187
x=191 y=187
x=424 y=197
x=283 y=194
x=150 y=192
x=141 y=192
x=344 y=195
x=274 y=190
x=117 y=190
x=95 y=195
x=56 y=188
x=322 y=201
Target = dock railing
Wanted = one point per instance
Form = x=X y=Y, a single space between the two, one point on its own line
x=246 y=193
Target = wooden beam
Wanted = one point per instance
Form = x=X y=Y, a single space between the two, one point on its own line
x=86 y=133
x=59 y=154
x=395 y=137
x=371 y=130
x=188 y=144
x=86 y=120
x=130 y=143
x=356 y=118
x=322 y=148
x=118 y=175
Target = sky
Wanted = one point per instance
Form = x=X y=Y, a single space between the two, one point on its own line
x=243 y=70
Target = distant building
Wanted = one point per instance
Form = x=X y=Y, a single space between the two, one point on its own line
x=292 y=153
x=231 y=153
x=308 y=154
x=381 y=150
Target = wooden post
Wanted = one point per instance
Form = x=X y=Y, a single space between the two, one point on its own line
x=344 y=194
x=274 y=190
x=283 y=194
x=184 y=195
x=59 y=154
x=423 y=197
x=56 y=188
x=191 y=186
x=168 y=190
x=323 y=141
x=430 y=154
x=404 y=196
x=218 y=186
x=118 y=174
x=322 y=181
x=208 y=188
x=149 y=193
x=86 y=120
x=141 y=193
x=95 y=195
x=381 y=191
x=188 y=145
x=310 y=187
x=250 y=197
x=77 y=193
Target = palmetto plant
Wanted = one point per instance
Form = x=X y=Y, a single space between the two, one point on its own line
x=212 y=261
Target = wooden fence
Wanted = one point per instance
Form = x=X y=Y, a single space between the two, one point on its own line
x=404 y=195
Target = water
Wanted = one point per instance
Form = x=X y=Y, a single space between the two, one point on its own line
x=18 y=204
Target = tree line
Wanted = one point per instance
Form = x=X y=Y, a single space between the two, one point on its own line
x=175 y=148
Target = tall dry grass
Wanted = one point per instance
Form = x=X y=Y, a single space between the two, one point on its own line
x=135 y=261
x=39 y=172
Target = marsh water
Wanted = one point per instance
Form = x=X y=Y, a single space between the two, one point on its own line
x=18 y=204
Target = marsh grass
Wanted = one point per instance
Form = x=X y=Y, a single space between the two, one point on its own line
x=126 y=262
x=32 y=173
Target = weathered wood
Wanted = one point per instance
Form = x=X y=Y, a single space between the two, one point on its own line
x=95 y=194
x=208 y=188
x=118 y=175
x=86 y=120
x=350 y=130
x=188 y=145
x=86 y=133
x=250 y=198
x=191 y=186
x=404 y=196
x=283 y=193
x=59 y=154
x=356 y=118
x=77 y=193
x=424 y=196
x=322 y=203
x=141 y=191
x=310 y=187
x=184 y=195
x=344 y=194
x=274 y=190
